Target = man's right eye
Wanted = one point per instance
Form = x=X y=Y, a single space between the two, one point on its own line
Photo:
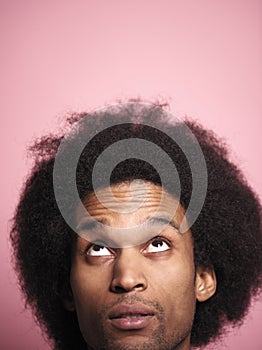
x=98 y=250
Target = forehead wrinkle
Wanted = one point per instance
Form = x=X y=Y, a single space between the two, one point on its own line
x=148 y=200
x=157 y=202
x=124 y=191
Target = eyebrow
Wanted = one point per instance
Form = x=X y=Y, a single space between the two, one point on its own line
x=162 y=220
x=90 y=225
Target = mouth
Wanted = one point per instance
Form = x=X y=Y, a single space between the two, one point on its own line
x=130 y=317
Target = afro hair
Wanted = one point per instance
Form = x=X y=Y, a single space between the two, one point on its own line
x=226 y=234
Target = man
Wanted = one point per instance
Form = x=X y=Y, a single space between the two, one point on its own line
x=135 y=231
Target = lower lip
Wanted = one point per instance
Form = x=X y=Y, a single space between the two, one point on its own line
x=131 y=323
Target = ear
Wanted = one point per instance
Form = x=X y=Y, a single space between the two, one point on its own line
x=206 y=283
x=68 y=300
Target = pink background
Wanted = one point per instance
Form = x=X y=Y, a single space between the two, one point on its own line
x=204 y=57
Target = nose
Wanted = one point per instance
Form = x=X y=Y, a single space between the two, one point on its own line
x=128 y=273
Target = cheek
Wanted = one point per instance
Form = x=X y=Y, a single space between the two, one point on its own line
x=174 y=283
x=177 y=271
x=178 y=299
x=88 y=288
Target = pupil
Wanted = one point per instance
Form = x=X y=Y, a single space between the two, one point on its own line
x=97 y=248
x=158 y=243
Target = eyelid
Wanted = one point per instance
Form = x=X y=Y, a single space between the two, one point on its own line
x=100 y=244
x=162 y=238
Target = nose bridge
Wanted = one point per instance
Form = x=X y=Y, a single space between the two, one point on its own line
x=128 y=272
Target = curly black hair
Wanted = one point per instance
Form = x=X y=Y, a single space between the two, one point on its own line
x=226 y=234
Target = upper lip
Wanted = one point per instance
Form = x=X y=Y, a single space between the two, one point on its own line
x=123 y=310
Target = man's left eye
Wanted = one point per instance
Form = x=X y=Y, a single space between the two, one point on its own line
x=157 y=245
x=98 y=250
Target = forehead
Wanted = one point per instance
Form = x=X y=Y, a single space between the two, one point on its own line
x=129 y=200
x=128 y=214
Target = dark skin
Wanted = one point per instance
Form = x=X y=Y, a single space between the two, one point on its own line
x=136 y=296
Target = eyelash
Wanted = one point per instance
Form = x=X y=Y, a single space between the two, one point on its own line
x=160 y=239
x=157 y=238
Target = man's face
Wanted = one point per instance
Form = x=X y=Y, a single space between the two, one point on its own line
x=136 y=296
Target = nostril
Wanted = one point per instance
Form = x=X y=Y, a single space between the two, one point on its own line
x=139 y=286
x=119 y=289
